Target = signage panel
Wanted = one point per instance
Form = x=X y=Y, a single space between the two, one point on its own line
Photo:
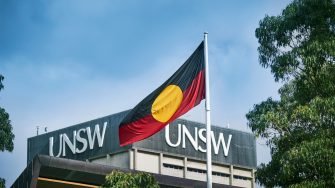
x=188 y=138
x=99 y=137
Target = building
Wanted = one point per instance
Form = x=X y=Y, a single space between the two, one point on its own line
x=81 y=155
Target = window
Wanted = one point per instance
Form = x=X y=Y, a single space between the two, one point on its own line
x=173 y=166
x=197 y=170
x=220 y=174
x=240 y=177
x=205 y=171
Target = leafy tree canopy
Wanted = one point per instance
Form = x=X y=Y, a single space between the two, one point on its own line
x=298 y=47
x=118 y=179
x=6 y=135
x=2 y=183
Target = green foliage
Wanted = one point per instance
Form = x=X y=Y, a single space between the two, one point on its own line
x=6 y=135
x=118 y=179
x=2 y=183
x=299 y=48
x=1 y=79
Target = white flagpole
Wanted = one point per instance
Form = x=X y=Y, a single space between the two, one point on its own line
x=208 y=117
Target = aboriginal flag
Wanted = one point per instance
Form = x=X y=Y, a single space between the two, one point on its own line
x=181 y=92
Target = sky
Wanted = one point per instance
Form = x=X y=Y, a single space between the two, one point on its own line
x=67 y=62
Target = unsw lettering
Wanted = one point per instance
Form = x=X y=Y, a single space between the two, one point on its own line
x=183 y=132
x=78 y=137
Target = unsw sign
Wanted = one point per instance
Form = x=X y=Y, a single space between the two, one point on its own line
x=199 y=136
x=84 y=136
x=84 y=139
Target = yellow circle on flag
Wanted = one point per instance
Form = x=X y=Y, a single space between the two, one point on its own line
x=167 y=103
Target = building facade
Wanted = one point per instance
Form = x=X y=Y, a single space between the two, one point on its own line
x=176 y=153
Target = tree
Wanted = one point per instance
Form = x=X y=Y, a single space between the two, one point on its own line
x=118 y=179
x=6 y=135
x=2 y=183
x=298 y=47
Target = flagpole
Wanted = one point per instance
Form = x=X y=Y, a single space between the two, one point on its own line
x=208 y=117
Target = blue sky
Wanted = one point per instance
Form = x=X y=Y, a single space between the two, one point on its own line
x=67 y=62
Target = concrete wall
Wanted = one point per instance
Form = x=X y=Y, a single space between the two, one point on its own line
x=120 y=160
x=181 y=166
x=172 y=166
x=147 y=162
